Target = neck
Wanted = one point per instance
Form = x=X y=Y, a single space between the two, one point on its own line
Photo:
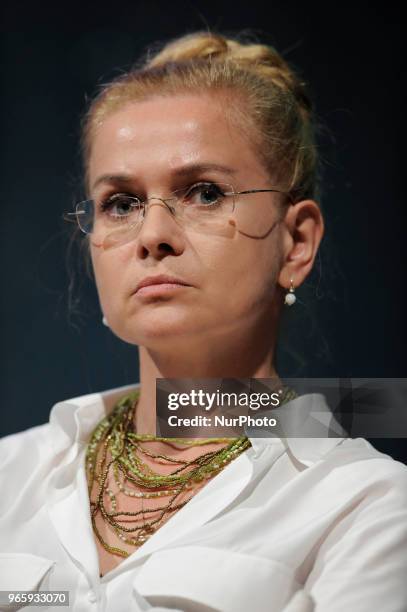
x=241 y=357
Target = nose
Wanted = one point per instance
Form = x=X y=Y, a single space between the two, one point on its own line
x=160 y=234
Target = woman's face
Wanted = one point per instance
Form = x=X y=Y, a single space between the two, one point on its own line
x=160 y=145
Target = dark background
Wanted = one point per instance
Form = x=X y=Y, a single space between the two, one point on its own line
x=350 y=318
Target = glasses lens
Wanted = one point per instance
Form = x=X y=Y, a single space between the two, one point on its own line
x=215 y=208
x=255 y=214
x=119 y=236
x=110 y=221
x=206 y=207
x=84 y=215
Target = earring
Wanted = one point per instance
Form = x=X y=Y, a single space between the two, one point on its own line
x=290 y=295
x=104 y=321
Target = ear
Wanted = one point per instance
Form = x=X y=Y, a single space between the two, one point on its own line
x=302 y=231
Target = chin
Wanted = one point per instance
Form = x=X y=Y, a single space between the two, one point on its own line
x=153 y=328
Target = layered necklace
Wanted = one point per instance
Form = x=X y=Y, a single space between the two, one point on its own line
x=115 y=436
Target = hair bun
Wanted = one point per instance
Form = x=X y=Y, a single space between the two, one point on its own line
x=261 y=59
x=189 y=47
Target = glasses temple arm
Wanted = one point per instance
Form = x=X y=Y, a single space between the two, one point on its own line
x=263 y=191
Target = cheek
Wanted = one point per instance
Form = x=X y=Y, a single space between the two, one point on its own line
x=244 y=272
x=107 y=276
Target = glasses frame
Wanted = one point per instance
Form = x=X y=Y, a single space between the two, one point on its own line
x=76 y=213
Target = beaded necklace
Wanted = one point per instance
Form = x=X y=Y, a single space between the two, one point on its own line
x=115 y=434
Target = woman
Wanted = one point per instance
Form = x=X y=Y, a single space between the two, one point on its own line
x=201 y=220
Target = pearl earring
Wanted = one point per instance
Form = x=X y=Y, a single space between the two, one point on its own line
x=290 y=295
x=104 y=321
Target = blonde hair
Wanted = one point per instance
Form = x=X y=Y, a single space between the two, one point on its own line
x=276 y=114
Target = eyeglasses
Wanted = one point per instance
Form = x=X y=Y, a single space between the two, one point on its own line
x=205 y=207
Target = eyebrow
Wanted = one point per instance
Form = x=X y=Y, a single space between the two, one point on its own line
x=190 y=169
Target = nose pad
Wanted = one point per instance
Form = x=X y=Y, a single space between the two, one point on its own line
x=160 y=202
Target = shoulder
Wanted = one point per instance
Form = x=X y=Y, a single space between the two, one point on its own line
x=343 y=465
x=357 y=472
x=359 y=453
x=28 y=442
x=345 y=475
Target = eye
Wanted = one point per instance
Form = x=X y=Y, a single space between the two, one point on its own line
x=204 y=194
x=121 y=205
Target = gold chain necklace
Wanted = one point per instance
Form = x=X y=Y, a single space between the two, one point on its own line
x=115 y=434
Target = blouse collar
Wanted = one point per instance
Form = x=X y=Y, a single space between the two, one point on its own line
x=72 y=422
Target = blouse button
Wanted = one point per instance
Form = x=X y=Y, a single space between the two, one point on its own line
x=92 y=596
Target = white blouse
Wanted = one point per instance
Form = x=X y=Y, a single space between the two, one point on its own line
x=292 y=525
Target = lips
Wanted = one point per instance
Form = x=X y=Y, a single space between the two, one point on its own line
x=161 y=279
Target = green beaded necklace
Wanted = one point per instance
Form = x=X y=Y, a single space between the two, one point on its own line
x=115 y=433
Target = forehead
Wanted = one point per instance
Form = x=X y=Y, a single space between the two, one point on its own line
x=163 y=133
